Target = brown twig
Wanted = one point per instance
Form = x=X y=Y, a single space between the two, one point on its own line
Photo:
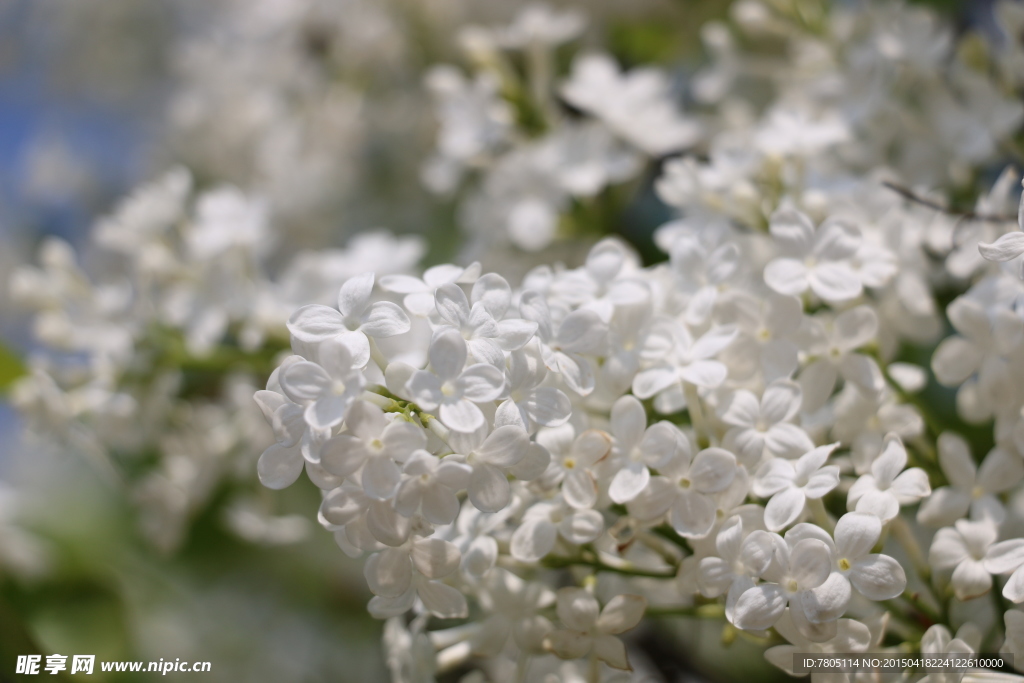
x=911 y=196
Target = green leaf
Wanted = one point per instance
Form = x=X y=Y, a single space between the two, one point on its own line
x=11 y=367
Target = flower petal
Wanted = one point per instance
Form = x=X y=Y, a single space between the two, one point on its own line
x=810 y=563
x=577 y=609
x=279 y=466
x=443 y=601
x=784 y=508
x=828 y=601
x=533 y=540
x=878 y=577
x=856 y=534
x=488 y=488
x=622 y=613
x=692 y=515
x=447 y=353
x=581 y=526
x=504 y=447
x=388 y=573
x=481 y=383
x=629 y=482
x=385 y=319
x=354 y=294
x=316 y=323
x=758 y=608
x=1006 y=248
x=435 y=558
x=462 y=416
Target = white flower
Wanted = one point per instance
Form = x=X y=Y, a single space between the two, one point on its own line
x=863 y=422
x=542 y=25
x=585 y=158
x=572 y=461
x=419 y=293
x=486 y=334
x=763 y=425
x=1014 y=642
x=589 y=630
x=815 y=259
x=971 y=488
x=226 y=218
x=790 y=484
x=376 y=445
x=685 y=490
x=702 y=271
x=1007 y=557
x=976 y=359
x=430 y=486
x=851 y=636
x=490 y=458
x=937 y=640
x=795 y=129
x=326 y=388
x=357 y=320
x=798 y=568
x=515 y=608
x=742 y=557
x=687 y=361
x=281 y=463
x=578 y=332
x=529 y=404
x=636 y=449
x=635 y=105
x=398 y=575
x=452 y=388
x=963 y=549
x=411 y=657
x=832 y=345
x=1008 y=246
x=875 y=576
x=888 y=486
x=473 y=118
x=767 y=328
x=545 y=521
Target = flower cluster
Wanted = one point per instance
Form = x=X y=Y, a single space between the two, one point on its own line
x=735 y=429
x=152 y=364
x=591 y=419
x=771 y=424
x=535 y=145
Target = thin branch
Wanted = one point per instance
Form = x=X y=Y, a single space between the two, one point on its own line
x=626 y=569
x=707 y=611
x=912 y=196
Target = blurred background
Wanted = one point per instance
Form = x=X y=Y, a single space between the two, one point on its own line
x=321 y=108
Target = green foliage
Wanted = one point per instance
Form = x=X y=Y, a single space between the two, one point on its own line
x=11 y=368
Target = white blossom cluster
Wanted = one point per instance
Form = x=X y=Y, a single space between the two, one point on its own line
x=605 y=418
x=150 y=366
x=267 y=97
x=533 y=143
x=731 y=432
x=772 y=426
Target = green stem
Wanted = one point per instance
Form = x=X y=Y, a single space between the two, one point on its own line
x=669 y=534
x=710 y=611
x=377 y=355
x=693 y=406
x=905 y=537
x=439 y=430
x=932 y=423
x=820 y=514
x=625 y=569
x=382 y=402
x=915 y=601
